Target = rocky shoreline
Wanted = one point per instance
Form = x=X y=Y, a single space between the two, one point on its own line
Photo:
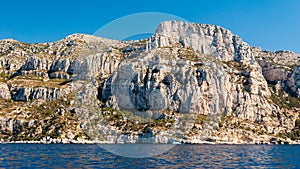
x=196 y=143
x=272 y=141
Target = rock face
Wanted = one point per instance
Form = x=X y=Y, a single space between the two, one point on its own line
x=273 y=73
x=160 y=80
x=293 y=83
x=38 y=93
x=188 y=82
x=4 y=91
x=280 y=67
x=207 y=39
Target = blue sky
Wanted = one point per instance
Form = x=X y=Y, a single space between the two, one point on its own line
x=270 y=24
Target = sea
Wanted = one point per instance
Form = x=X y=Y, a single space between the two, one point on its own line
x=179 y=156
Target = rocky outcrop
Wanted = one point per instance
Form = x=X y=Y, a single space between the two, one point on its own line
x=37 y=93
x=293 y=82
x=150 y=82
x=280 y=67
x=4 y=91
x=206 y=39
x=34 y=63
x=273 y=73
x=189 y=83
x=282 y=58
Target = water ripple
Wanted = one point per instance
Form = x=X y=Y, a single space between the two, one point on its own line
x=181 y=156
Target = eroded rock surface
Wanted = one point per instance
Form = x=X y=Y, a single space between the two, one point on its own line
x=189 y=82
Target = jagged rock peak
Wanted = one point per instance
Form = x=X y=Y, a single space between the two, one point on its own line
x=179 y=26
x=204 y=38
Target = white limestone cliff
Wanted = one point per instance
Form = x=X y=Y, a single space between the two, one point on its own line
x=199 y=78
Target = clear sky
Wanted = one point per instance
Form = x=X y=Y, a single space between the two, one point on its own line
x=270 y=24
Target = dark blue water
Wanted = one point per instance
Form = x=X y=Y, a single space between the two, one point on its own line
x=181 y=156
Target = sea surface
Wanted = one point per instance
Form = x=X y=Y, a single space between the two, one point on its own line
x=180 y=156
